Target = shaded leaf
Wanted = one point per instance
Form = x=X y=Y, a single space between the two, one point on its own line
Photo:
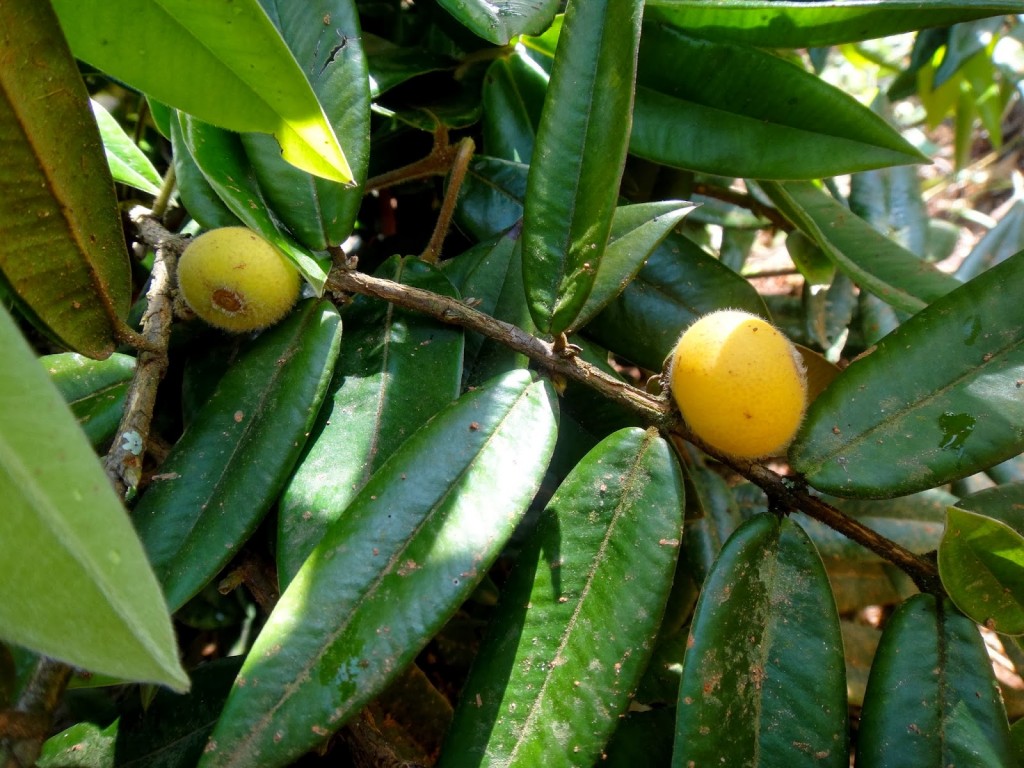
x=95 y=390
x=553 y=678
x=387 y=575
x=250 y=80
x=376 y=400
x=999 y=243
x=491 y=197
x=935 y=400
x=65 y=535
x=572 y=187
x=981 y=562
x=868 y=257
x=513 y=96
x=937 y=705
x=196 y=193
x=227 y=469
x=62 y=254
x=765 y=632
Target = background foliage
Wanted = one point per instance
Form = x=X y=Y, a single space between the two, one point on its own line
x=443 y=513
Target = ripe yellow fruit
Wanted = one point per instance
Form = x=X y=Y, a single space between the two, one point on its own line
x=739 y=383
x=236 y=280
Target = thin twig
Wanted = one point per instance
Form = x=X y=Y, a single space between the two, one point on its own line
x=123 y=462
x=32 y=715
x=743 y=200
x=464 y=153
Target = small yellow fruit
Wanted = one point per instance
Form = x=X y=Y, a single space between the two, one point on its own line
x=739 y=383
x=236 y=280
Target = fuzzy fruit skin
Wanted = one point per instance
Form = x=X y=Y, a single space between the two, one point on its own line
x=739 y=383
x=236 y=280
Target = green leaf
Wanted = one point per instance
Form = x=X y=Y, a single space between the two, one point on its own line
x=578 y=616
x=224 y=473
x=249 y=80
x=128 y=164
x=62 y=254
x=513 y=96
x=573 y=182
x=64 y=535
x=375 y=401
x=199 y=198
x=499 y=21
x=981 y=562
x=864 y=254
x=679 y=283
x=94 y=389
x=636 y=231
x=813 y=24
x=222 y=161
x=732 y=110
x=999 y=243
x=931 y=697
x=491 y=198
x=387 y=575
x=764 y=636
x=935 y=400
x=83 y=745
x=890 y=200
x=325 y=39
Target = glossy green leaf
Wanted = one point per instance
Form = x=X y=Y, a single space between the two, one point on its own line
x=999 y=243
x=388 y=574
x=64 y=535
x=573 y=183
x=83 y=745
x=498 y=22
x=391 y=65
x=491 y=276
x=128 y=165
x=636 y=231
x=931 y=698
x=935 y=400
x=491 y=198
x=224 y=473
x=764 y=682
x=679 y=283
x=732 y=110
x=376 y=400
x=825 y=22
x=62 y=254
x=981 y=562
x=95 y=390
x=223 y=163
x=197 y=195
x=513 y=96
x=250 y=80
x=578 y=616
x=324 y=37
x=872 y=260
x=712 y=514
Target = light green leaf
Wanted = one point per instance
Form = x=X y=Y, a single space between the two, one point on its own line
x=498 y=21
x=222 y=61
x=128 y=165
x=77 y=585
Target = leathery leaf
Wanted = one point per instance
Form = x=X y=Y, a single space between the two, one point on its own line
x=226 y=470
x=579 y=615
x=387 y=575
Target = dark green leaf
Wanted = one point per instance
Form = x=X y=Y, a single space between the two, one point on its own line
x=737 y=111
x=1005 y=503
x=128 y=165
x=491 y=198
x=62 y=253
x=95 y=390
x=937 y=399
x=499 y=22
x=64 y=535
x=223 y=163
x=376 y=400
x=826 y=22
x=573 y=183
x=198 y=196
x=227 y=469
x=890 y=200
x=324 y=37
x=712 y=515
x=386 y=576
x=391 y=65
x=249 y=79
x=578 y=617
x=931 y=697
x=868 y=257
x=513 y=96
x=981 y=562
x=679 y=283
x=765 y=634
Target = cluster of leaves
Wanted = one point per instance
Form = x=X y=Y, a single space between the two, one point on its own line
x=418 y=519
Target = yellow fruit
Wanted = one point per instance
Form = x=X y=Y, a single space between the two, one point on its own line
x=739 y=383
x=234 y=279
